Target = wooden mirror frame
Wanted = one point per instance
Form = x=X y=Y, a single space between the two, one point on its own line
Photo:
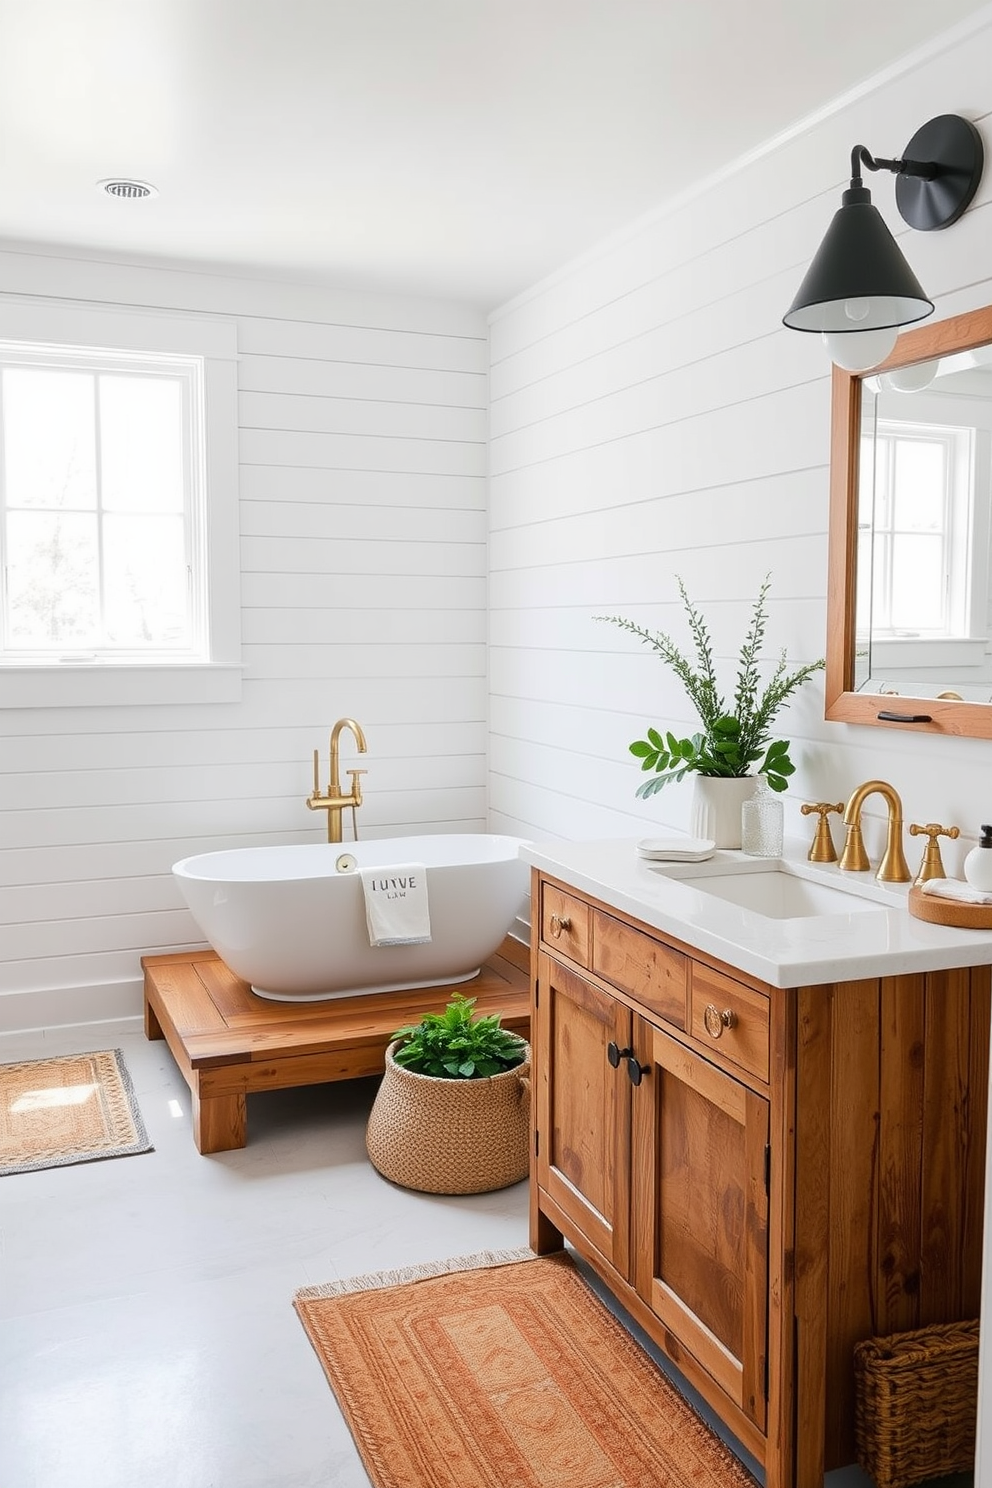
x=842 y=703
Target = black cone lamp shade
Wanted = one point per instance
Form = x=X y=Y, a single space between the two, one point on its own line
x=859 y=289
x=858 y=261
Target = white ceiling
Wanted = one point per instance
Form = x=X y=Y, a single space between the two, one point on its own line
x=462 y=148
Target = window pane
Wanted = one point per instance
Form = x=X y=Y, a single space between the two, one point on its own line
x=141 y=443
x=145 y=583
x=49 y=441
x=918 y=583
x=52 y=578
x=920 y=485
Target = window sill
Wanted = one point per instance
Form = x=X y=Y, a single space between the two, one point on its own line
x=912 y=651
x=92 y=685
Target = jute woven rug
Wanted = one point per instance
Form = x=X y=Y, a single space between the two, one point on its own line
x=74 y=1108
x=504 y=1373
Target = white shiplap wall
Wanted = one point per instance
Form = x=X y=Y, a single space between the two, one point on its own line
x=362 y=447
x=651 y=417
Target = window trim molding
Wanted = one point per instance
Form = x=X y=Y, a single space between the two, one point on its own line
x=36 y=684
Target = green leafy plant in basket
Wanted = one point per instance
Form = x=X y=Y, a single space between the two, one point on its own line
x=459 y=1045
x=735 y=736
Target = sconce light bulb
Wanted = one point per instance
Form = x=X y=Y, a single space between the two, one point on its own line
x=857 y=309
x=859 y=351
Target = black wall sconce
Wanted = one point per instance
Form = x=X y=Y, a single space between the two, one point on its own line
x=859 y=290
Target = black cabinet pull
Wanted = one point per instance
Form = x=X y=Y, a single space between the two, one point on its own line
x=635 y=1071
x=614 y=1054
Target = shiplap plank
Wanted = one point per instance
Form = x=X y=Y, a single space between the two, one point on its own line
x=380 y=384
x=74 y=825
x=362 y=344
x=150 y=786
x=307 y=414
x=401 y=700
x=306 y=519
x=341 y=662
x=362 y=452
x=368 y=488
x=362 y=591
x=236 y=753
x=327 y=556
x=76 y=273
x=373 y=625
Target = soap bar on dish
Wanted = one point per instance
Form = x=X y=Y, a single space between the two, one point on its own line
x=955 y=888
x=676 y=849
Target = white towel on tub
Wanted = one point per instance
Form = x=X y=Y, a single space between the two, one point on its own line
x=396 y=908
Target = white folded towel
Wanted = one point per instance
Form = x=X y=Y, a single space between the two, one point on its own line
x=955 y=888
x=396 y=908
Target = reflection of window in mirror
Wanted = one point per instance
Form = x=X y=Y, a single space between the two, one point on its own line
x=922 y=554
x=923 y=537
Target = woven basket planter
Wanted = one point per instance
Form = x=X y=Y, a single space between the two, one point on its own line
x=451 y=1136
x=916 y=1403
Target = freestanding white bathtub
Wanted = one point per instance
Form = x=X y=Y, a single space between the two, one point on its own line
x=291 y=922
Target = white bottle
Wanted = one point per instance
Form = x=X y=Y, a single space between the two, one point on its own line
x=762 y=823
x=978 y=863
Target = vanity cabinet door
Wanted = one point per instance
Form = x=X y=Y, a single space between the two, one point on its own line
x=583 y=1107
x=701 y=1214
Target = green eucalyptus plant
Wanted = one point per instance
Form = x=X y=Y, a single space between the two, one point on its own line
x=459 y=1045
x=734 y=737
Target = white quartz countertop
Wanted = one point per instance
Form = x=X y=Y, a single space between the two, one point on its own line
x=877 y=938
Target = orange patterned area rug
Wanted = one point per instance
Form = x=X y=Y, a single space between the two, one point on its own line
x=74 y=1108
x=504 y=1373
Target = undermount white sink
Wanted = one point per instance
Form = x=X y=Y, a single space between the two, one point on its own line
x=780 y=896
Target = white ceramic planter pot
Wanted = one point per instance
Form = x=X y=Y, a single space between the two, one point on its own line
x=716 y=807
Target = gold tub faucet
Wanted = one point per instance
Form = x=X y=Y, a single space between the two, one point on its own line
x=334 y=803
x=893 y=868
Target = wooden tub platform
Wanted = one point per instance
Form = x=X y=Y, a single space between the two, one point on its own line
x=228 y=1042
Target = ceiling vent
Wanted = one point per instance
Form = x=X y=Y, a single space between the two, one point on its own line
x=127 y=190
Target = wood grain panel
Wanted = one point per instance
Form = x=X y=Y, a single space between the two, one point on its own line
x=705 y=1269
x=565 y=923
x=583 y=1108
x=745 y=1042
x=639 y=964
x=813 y=1187
x=945 y=1117
x=852 y=1282
x=900 y=1158
x=976 y=1158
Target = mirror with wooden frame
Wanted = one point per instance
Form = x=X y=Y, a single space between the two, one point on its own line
x=909 y=596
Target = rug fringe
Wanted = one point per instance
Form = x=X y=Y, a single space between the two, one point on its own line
x=375 y=1280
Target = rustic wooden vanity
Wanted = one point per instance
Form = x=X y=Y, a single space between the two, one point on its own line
x=762 y=1175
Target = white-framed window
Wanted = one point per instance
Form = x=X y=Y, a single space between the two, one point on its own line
x=118 y=507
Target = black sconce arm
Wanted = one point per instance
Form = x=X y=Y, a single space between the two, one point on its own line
x=926 y=170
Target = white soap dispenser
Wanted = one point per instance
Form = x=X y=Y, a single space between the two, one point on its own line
x=978 y=863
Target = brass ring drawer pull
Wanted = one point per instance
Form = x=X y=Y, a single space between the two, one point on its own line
x=715 y=1021
x=558 y=923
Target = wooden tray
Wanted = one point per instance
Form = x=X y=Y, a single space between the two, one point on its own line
x=949 y=911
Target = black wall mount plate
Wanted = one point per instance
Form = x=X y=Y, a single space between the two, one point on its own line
x=955 y=146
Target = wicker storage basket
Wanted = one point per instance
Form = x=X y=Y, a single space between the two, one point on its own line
x=451 y=1136
x=916 y=1403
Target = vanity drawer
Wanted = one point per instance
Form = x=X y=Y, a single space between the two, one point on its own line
x=565 y=923
x=730 y=1019
x=643 y=967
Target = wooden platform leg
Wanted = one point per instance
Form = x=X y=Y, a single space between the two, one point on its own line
x=153 y=1028
x=220 y=1122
